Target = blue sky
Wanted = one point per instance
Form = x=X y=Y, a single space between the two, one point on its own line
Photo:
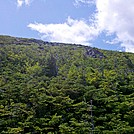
x=104 y=24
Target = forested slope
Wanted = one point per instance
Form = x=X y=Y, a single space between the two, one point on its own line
x=56 y=88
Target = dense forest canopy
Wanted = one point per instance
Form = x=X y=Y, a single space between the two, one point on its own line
x=57 y=88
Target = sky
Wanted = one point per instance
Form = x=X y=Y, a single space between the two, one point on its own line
x=105 y=24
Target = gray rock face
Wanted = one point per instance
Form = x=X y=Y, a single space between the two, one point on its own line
x=92 y=52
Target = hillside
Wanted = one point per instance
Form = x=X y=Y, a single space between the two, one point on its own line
x=58 y=88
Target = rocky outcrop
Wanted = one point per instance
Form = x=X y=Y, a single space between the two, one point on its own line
x=92 y=52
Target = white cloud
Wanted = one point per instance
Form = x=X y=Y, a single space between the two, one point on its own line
x=72 y=31
x=117 y=17
x=23 y=2
x=112 y=42
x=114 y=17
x=77 y=2
x=19 y=3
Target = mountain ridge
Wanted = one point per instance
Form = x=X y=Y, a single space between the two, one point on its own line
x=93 y=52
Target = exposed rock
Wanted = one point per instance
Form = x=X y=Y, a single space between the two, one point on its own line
x=92 y=52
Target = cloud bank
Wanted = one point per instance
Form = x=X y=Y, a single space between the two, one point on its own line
x=112 y=17
x=72 y=31
x=117 y=17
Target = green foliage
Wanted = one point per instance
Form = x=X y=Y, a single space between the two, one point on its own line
x=48 y=88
